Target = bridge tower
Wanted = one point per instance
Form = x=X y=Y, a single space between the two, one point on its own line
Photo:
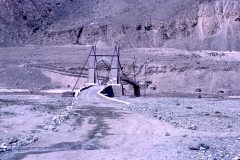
x=111 y=56
x=104 y=54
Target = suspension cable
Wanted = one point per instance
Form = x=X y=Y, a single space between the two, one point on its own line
x=82 y=70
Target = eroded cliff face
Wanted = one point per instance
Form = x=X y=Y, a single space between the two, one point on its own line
x=183 y=24
x=217 y=28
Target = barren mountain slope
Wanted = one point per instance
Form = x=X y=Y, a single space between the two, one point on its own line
x=184 y=24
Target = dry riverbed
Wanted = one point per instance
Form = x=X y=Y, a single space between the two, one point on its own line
x=48 y=126
x=52 y=127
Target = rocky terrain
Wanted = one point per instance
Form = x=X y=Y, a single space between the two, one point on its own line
x=88 y=127
x=168 y=72
x=215 y=120
x=36 y=125
x=183 y=24
x=184 y=54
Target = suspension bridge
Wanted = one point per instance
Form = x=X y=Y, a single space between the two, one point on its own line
x=104 y=68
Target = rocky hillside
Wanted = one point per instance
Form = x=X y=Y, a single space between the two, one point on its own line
x=183 y=24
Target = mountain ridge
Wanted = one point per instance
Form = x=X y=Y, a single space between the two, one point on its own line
x=182 y=24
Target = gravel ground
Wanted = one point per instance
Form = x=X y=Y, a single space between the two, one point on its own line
x=214 y=122
x=149 y=128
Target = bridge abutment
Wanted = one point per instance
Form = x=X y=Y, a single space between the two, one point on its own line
x=113 y=90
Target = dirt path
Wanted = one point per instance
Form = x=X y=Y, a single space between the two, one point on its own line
x=101 y=129
x=106 y=131
x=126 y=138
x=91 y=94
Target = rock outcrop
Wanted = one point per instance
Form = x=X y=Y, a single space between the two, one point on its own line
x=183 y=24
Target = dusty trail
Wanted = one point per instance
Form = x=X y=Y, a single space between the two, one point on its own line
x=100 y=129
x=107 y=131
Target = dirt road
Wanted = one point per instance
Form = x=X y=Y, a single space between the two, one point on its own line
x=91 y=94
x=91 y=128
